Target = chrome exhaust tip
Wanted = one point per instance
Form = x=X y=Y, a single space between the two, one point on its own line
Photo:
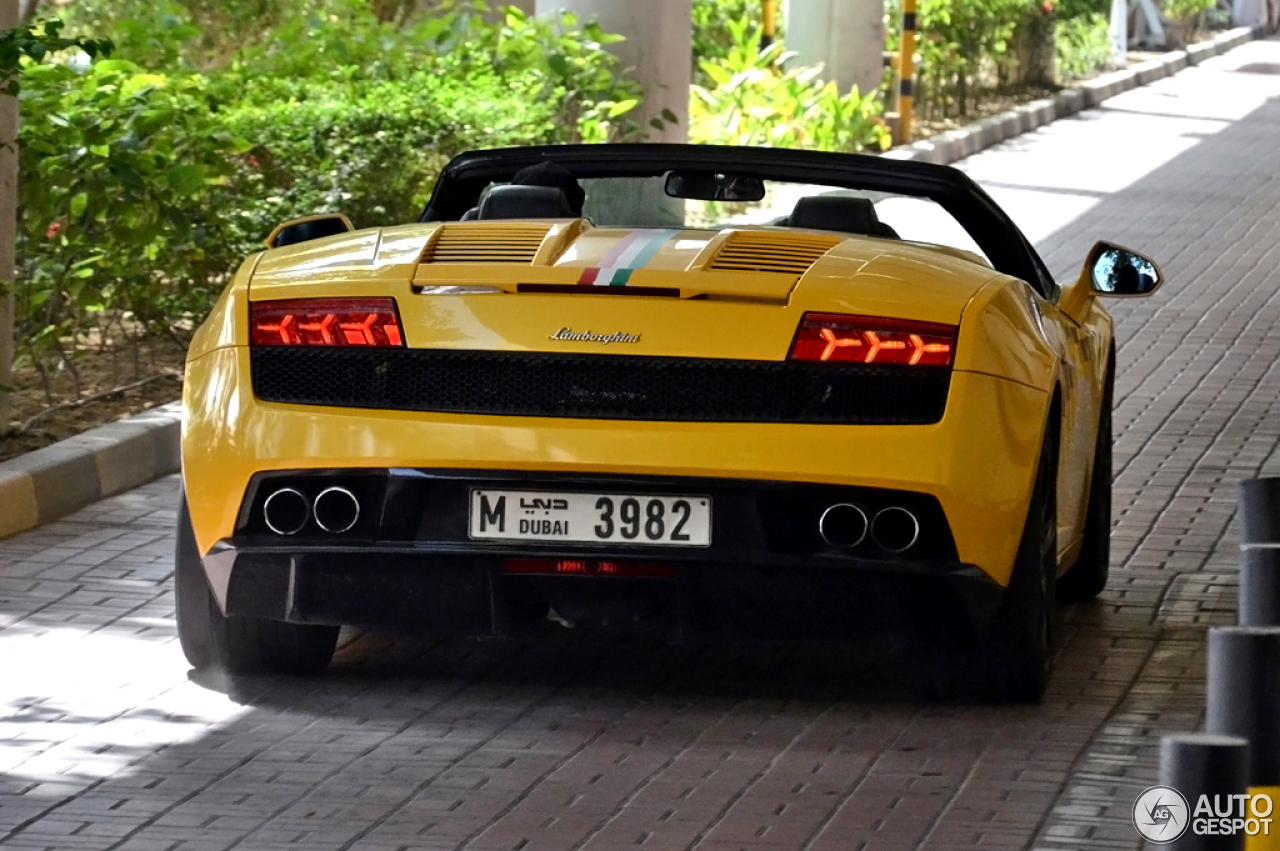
x=895 y=529
x=286 y=511
x=843 y=525
x=336 y=510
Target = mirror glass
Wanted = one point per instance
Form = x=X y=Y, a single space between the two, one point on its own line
x=711 y=186
x=1121 y=272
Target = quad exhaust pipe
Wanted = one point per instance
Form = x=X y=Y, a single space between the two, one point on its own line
x=337 y=510
x=287 y=511
x=893 y=529
x=843 y=525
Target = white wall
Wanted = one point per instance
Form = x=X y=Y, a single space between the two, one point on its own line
x=659 y=37
x=847 y=36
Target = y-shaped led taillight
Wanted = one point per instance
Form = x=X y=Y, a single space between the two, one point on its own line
x=326 y=322
x=837 y=338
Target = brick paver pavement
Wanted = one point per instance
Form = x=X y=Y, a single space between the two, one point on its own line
x=566 y=744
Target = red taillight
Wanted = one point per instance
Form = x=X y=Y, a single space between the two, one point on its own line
x=838 y=338
x=575 y=567
x=325 y=322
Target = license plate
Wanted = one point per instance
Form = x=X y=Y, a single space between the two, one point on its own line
x=591 y=518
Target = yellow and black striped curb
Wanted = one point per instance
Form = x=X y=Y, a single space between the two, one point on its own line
x=954 y=145
x=50 y=483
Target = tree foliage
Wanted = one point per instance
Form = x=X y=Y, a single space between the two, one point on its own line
x=752 y=100
x=148 y=177
x=34 y=41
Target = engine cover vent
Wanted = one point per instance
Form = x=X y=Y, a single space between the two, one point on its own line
x=486 y=242
x=763 y=251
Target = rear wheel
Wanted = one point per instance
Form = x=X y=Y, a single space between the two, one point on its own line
x=1015 y=658
x=237 y=645
x=1088 y=576
x=1011 y=662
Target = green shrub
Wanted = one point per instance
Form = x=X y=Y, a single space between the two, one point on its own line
x=713 y=33
x=144 y=185
x=754 y=102
x=1082 y=8
x=125 y=177
x=1190 y=14
x=964 y=46
x=375 y=156
x=1083 y=45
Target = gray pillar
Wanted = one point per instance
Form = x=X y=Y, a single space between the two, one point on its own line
x=1119 y=33
x=1259 y=513
x=1248 y=13
x=658 y=46
x=8 y=217
x=846 y=36
x=1194 y=764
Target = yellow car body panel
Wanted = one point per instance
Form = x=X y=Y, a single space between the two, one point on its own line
x=978 y=460
x=979 y=476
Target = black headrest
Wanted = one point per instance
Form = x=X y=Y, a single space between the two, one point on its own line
x=547 y=173
x=525 y=202
x=839 y=213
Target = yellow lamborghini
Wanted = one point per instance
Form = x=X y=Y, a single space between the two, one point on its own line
x=712 y=391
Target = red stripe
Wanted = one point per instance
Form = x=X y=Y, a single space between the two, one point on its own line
x=589 y=276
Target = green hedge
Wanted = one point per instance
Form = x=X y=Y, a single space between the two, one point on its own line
x=375 y=157
x=144 y=183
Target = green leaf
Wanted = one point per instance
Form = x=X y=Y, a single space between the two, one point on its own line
x=558 y=64
x=623 y=107
x=186 y=179
x=79 y=204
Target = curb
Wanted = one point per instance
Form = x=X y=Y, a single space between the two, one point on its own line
x=42 y=486
x=946 y=148
x=50 y=483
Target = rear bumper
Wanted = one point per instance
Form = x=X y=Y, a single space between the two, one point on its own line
x=409 y=561
x=450 y=594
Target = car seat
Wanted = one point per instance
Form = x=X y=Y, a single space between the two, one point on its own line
x=840 y=213
x=524 y=202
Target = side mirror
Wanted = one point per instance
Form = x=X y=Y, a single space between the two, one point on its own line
x=311 y=227
x=1117 y=271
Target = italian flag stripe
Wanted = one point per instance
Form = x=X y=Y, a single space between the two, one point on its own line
x=631 y=252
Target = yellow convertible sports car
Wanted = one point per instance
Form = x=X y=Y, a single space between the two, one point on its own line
x=711 y=391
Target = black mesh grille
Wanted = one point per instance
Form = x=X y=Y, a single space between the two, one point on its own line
x=599 y=386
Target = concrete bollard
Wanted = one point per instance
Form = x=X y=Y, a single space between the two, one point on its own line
x=1259 y=501
x=1244 y=694
x=1194 y=764
x=1244 y=700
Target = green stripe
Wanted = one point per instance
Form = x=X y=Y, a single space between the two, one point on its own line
x=655 y=243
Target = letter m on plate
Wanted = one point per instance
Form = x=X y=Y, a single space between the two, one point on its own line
x=493 y=514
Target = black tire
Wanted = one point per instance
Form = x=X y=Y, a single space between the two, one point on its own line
x=1088 y=576
x=237 y=645
x=1015 y=657
x=1011 y=662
